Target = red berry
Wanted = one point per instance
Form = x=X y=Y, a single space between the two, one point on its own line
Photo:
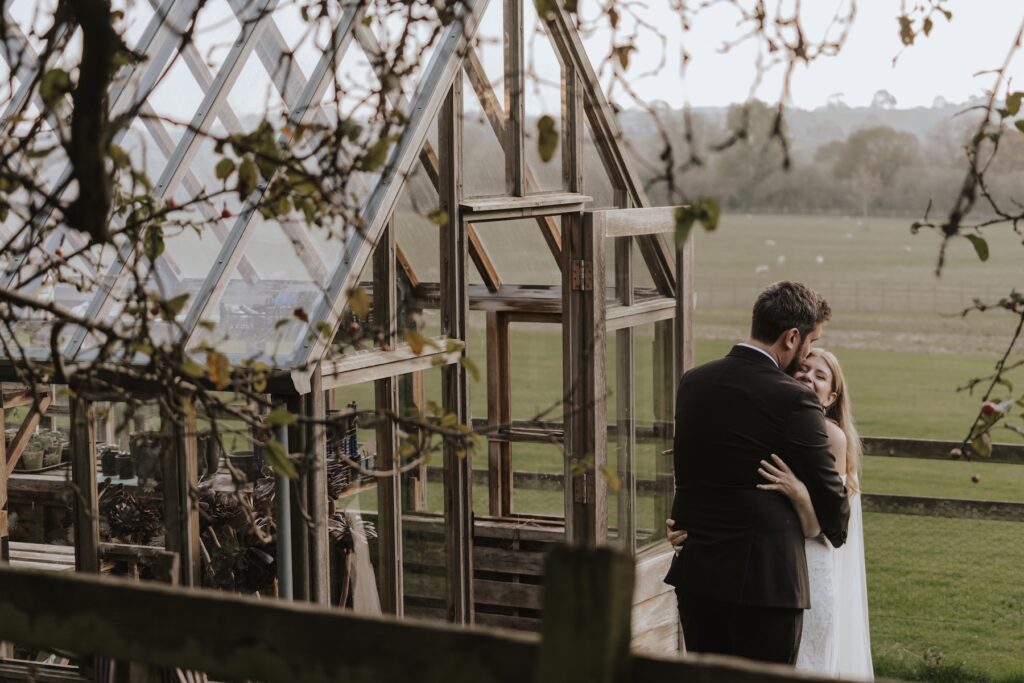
x=956 y=453
x=989 y=408
x=225 y=213
x=59 y=252
x=975 y=478
x=171 y=204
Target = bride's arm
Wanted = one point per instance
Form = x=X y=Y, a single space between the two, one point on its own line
x=780 y=478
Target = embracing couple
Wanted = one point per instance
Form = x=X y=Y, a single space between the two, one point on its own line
x=766 y=463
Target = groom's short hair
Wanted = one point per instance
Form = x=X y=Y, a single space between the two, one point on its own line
x=785 y=305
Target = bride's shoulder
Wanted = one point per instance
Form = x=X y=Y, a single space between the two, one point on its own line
x=836 y=437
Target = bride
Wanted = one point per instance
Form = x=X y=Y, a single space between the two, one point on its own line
x=835 y=639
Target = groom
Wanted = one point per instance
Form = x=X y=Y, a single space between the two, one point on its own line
x=741 y=576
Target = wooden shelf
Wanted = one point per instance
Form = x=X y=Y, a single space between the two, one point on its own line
x=478 y=209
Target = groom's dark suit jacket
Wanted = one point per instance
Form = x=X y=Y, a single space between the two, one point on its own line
x=745 y=545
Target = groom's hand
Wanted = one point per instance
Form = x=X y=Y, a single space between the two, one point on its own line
x=675 y=537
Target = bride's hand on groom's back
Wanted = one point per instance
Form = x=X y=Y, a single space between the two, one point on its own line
x=675 y=536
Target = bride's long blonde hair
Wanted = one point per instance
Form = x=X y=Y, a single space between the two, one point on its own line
x=841 y=413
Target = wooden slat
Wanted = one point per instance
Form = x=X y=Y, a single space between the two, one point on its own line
x=638 y=222
x=515 y=100
x=625 y=401
x=237 y=638
x=458 y=486
x=179 y=460
x=83 y=477
x=943 y=507
x=584 y=358
x=479 y=209
x=389 y=494
x=12 y=671
x=936 y=450
x=367 y=366
x=499 y=412
x=619 y=316
x=316 y=451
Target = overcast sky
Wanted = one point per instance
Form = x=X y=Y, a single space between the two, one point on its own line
x=943 y=64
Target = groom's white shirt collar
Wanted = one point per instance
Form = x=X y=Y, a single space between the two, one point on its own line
x=759 y=350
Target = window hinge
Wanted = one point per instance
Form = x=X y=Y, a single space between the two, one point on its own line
x=582 y=276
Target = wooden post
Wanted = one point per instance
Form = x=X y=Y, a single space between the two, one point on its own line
x=572 y=130
x=458 y=481
x=83 y=478
x=499 y=412
x=588 y=600
x=583 y=367
x=664 y=384
x=414 y=483
x=684 y=308
x=316 y=491
x=181 y=504
x=299 y=501
x=515 y=74
x=310 y=539
x=625 y=400
x=5 y=541
x=389 y=493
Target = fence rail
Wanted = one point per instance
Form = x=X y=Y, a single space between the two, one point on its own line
x=585 y=636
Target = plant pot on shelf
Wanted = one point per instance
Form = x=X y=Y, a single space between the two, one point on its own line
x=31 y=459
x=123 y=461
x=145 y=452
x=51 y=455
x=245 y=463
x=108 y=461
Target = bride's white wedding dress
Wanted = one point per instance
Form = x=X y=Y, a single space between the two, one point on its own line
x=836 y=640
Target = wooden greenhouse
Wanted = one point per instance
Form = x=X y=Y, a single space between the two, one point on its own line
x=557 y=279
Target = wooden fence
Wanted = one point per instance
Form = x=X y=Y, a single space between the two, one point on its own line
x=585 y=633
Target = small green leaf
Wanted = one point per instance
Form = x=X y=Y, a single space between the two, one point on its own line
x=685 y=219
x=247 y=177
x=547 y=138
x=980 y=246
x=376 y=155
x=278 y=459
x=927 y=26
x=193 y=369
x=438 y=217
x=54 y=85
x=280 y=417
x=1019 y=125
x=175 y=305
x=225 y=167
x=153 y=242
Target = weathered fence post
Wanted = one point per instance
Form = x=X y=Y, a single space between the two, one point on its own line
x=588 y=597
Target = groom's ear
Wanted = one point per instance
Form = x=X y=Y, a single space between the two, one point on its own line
x=791 y=338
